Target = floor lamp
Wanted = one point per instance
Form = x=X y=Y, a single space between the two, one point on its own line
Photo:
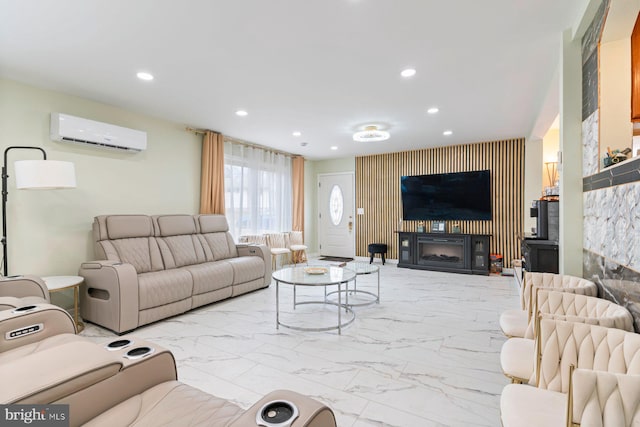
x=33 y=175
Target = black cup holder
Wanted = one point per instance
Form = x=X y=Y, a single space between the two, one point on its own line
x=118 y=345
x=25 y=308
x=139 y=352
x=277 y=413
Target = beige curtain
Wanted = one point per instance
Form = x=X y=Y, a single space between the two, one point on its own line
x=212 y=175
x=297 y=175
x=297 y=196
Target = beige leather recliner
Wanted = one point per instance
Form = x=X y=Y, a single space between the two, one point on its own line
x=26 y=315
x=150 y=268
x=517 y=356
x=514 y=322
x=561 y=345
x=18 y=291
x=130 y=381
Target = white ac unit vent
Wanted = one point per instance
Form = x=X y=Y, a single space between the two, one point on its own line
x=66 y=128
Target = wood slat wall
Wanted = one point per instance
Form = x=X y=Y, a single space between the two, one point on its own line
x=378 y=192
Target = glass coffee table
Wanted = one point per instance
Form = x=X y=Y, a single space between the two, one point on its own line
x=360 y=268
x=319 y=276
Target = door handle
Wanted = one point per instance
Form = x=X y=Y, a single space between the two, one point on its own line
x=350 y=225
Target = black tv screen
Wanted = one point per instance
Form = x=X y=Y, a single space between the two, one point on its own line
x=447 y=196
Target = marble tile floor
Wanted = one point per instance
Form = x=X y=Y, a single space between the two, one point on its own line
x=427 y=355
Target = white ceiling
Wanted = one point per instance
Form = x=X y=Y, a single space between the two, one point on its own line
x=323 y=67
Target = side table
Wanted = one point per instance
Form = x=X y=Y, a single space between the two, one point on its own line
x=61 y=283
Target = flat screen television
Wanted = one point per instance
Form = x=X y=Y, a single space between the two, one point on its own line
x=447 y=196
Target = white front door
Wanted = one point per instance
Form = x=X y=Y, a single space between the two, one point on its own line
x=336 y=228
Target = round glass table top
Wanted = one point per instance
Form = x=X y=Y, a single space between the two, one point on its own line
x=361 y=267
x=310 y=276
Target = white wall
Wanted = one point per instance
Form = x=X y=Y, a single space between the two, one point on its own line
x=49 y=232
x=532 y=179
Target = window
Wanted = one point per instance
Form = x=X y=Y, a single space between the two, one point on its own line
x=257 y=190
x=336 y=205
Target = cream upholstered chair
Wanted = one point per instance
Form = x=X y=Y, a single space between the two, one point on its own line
x=514 y=323
x=560 y=345
x=603 y=399
x=517 y=355
x=278 y=246
x=297 y=247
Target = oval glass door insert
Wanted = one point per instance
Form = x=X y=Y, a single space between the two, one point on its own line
x=336 y=205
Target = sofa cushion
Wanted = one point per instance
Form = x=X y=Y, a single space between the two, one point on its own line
x=210 y=276
x=142 y=252
x=246 y=268
x=218 y=246
x=170 y=403
x=178 y=251
x=125 y=226
x=174 y=225
x=212 y=223
x=163 y=287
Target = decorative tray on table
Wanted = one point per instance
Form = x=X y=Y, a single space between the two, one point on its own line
x=316 y=270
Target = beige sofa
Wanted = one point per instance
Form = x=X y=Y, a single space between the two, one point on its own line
x=152 y=267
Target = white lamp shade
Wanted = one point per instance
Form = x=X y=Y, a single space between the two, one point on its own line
x=44 y=174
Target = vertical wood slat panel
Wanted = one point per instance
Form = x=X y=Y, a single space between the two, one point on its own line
x=378 y=192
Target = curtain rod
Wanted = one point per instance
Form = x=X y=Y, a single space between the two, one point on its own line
x=241 y=142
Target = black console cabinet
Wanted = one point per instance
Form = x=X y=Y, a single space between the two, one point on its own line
x=540 y=255
x=452 y=252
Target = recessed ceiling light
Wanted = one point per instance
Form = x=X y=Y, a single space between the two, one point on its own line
x=433 y=110
x=447 y=132
x=408 y=72
x=371 y=133
x=241 y=113
x=297 y=133
x=334 y=147
x=144 y=76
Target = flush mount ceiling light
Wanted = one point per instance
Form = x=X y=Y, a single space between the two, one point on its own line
x=433 y=110
x=334 y=148
x=371 y=134
x=408 y=72
x=144 y=76
x=296 y=133
x=447 y=133
x=241 y=113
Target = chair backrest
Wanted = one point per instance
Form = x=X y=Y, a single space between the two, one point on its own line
x=257 y=239
x=129 y=239
x=557 y=282
x=296 y=238
x=561 y=344
x=578 y=308
x=178 y=241
x=215 y=237
x=277 y=240
x=604 y=399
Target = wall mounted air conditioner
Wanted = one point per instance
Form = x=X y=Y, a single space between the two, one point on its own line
x=66 y=128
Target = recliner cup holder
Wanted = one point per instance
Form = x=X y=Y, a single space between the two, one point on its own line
x=25 y=308
x=139 y=353
x=277 y=413
x=118 y=345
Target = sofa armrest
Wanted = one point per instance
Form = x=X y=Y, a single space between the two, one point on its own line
x=311 y=413
x=109 y=295
x=261 y=251
x=33 y=323
x=23 y=286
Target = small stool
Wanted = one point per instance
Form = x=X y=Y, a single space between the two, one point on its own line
x=377 y=248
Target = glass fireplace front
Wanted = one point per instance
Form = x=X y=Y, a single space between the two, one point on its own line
x=442 y=252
